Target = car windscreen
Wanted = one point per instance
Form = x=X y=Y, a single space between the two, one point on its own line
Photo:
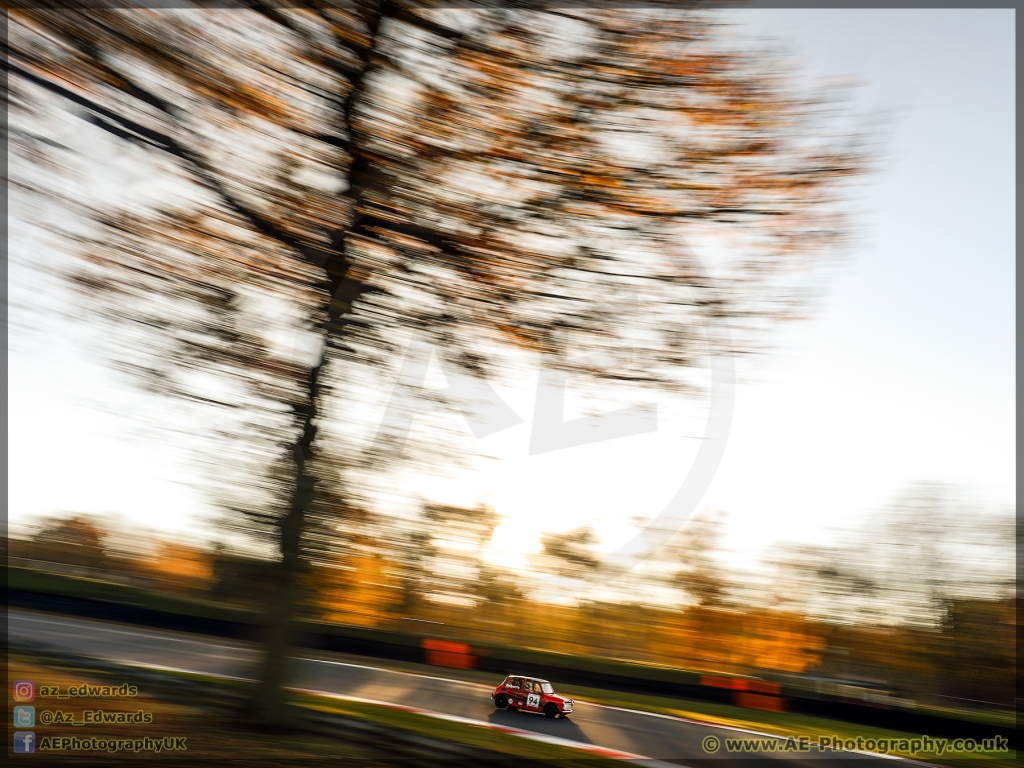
x=546 y=687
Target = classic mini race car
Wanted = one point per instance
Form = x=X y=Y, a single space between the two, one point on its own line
x=531 y=694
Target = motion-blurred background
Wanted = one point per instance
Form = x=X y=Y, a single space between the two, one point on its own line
x=230 y=229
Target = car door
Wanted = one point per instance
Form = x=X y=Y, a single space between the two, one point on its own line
x=532 y=691
x=515 y=693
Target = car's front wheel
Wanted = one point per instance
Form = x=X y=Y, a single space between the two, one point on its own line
x=500 y=701
x=551 y=710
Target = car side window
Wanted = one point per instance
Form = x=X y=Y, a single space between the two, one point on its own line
x=515 y=684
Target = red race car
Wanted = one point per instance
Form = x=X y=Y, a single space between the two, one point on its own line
x=531 y=694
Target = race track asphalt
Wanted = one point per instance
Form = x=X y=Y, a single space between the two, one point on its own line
x=653 y=736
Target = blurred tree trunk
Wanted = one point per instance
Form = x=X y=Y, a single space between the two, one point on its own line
x=281 y=607
x=344 y=290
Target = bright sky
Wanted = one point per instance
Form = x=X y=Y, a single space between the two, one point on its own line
x=905 y=374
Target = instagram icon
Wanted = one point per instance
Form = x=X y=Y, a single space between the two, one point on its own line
x=24 y=690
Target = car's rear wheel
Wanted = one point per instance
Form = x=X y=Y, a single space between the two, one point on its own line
x=551 y=710
x=500 y=701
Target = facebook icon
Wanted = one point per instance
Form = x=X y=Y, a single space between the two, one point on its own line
x=24 y=742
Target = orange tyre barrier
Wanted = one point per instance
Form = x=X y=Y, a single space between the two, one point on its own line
x=444 y=653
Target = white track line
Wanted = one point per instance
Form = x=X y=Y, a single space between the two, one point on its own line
x=164 y=668
x=466 y=683
x=156 y=635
